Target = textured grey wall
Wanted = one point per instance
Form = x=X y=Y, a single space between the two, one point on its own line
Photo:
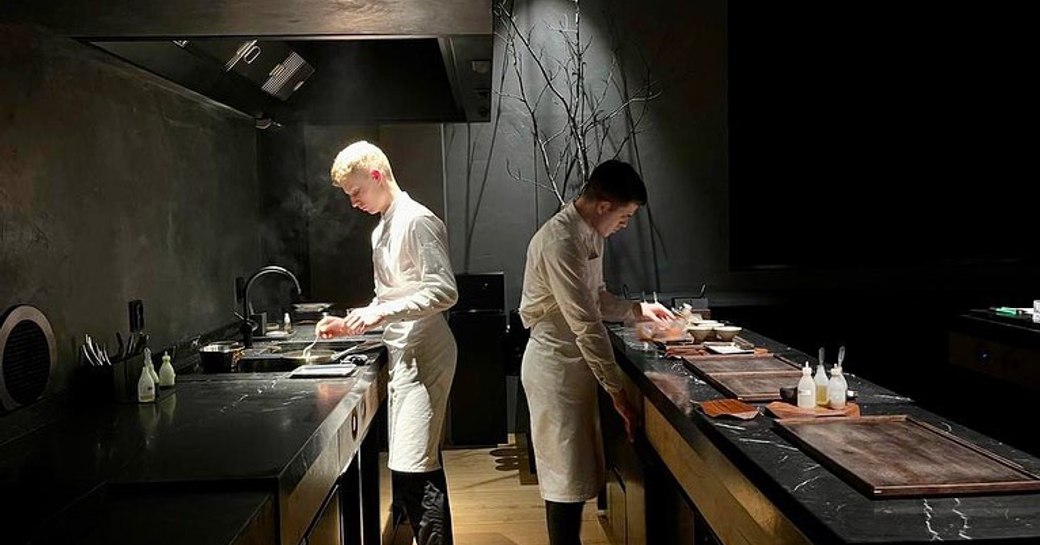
x=114 y=186
x=681 y=149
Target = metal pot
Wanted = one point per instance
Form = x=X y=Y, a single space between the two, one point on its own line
x=221 y=357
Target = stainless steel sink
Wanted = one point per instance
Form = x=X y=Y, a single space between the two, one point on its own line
x=266 y=356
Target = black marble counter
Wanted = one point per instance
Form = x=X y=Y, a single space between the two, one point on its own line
x=236 y=439
x=132 y=516
x=823 y=506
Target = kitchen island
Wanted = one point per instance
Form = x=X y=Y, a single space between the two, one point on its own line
x=747 y=484
x=227 y=458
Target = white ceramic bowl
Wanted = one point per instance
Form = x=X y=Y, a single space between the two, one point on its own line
x=727 y=332
x=700 y=333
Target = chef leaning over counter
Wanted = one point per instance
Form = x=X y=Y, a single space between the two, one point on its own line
x=564 y=304
x=414 y=285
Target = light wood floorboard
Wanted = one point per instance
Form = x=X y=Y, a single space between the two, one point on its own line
x=490 y=507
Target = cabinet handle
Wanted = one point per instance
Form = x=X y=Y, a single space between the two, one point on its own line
x=353 y=425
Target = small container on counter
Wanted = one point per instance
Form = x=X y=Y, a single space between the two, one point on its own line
x=806 y=389
x=837 y=389
x=167 y=376
x=145 y=384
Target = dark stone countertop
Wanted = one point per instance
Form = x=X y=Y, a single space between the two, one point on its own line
x=244 y=435
x=822 y=505
x=132 y=516
x=1014 y=330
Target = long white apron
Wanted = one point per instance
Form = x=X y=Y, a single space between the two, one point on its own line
x=414 y=285
x=562 y=395
x=422 y=365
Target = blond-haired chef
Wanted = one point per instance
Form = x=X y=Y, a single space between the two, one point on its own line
x=414 y=285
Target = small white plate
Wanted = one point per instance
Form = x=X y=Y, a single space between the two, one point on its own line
x=727 y=349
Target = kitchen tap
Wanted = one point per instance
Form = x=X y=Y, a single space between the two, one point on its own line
x=247 y=304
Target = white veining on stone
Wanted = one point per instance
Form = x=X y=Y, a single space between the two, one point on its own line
x=928 y=522
x=764 y=442
x=895 y=397
x=963 y=532
x=805 y=482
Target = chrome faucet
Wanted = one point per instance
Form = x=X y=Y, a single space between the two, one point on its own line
x=247 y=304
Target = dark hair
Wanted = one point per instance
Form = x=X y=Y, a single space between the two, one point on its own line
x=617 y=182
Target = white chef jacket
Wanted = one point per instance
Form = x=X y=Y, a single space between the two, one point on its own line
x=564 y=304
x=414 y=284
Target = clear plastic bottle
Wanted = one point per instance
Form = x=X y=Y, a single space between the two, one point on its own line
x=145 y=384
x=286 y=323
x=820 y=378
x=167 y=376
x=806 y=389
x=836 y=389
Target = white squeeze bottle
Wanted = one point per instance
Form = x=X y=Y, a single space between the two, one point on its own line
x=145 y=385
x=151 y=367
x=806 y=389
x=836 y=389
x=167 y=376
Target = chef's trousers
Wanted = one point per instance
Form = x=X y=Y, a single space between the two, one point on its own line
x=423 y=497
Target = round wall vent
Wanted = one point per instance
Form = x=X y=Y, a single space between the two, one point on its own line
x=27 y=356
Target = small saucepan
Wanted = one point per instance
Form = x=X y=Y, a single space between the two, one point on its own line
x=221 y=357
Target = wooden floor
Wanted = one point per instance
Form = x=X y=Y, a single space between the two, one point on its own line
x=490 y=507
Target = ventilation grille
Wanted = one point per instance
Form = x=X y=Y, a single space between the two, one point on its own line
x=26 y=356
x=292 y=71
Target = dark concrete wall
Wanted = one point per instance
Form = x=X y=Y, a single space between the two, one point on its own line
x=115 y=186
x=310 y=226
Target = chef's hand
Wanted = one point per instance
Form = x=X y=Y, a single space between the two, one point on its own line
x=329 y=327
x=628 y=414
x=361 y=320
x=655 y=312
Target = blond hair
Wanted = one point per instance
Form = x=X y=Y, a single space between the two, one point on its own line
x=360 y=155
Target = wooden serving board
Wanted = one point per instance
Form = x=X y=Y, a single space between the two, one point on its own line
x=745 y=377
x=781 y=409
x=745 y=363
x=897 y=456
x=753 y=386
x=729 y=407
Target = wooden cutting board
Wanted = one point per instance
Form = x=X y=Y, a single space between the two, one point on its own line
x=901 y=457
x=729 y=407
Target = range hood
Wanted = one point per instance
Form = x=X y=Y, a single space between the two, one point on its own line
x=366 y=61
x=347 y=81
x=273 y=65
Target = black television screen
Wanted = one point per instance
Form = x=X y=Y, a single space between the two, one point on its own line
x=881 y=136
